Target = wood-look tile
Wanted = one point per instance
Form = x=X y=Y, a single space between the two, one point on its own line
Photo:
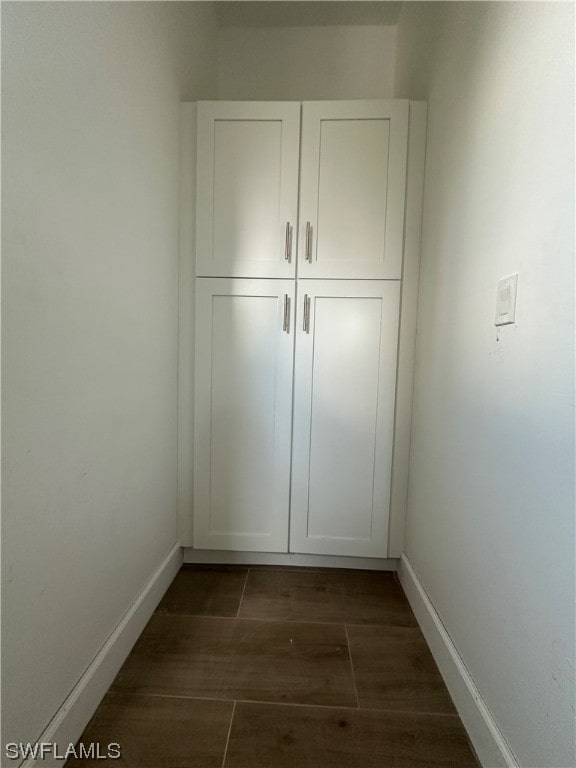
x=155 y=732
x=394 y=669
x=353 y=597
x=301 y=663
x=277 y=736
x=241 y=659
x=179 y=655
x=205 y=591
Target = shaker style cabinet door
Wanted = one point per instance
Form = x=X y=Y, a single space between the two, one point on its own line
x=344 y=395
x=243 y=413
x=352 y=189
x=247 y=188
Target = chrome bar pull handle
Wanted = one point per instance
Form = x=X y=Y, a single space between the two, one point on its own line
x=308 y=242
x=306 y=326
x=288 y=243
x=286 y=323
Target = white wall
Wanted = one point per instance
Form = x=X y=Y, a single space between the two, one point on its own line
x=300 y=63
x=490 y=529
x=90 y=245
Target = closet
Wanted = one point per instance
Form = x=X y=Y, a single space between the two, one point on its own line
x=299 y=240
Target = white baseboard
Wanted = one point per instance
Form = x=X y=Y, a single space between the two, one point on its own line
x=486 y=737
x=67 y=725
x=225 y=557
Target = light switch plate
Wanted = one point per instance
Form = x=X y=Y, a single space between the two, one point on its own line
x=506 y=300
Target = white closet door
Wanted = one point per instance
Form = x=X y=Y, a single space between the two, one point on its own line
x=243 y=412
x=247 y=198
x=345 y=375
x=352 y=189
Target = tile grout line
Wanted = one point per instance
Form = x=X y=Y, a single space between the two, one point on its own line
x=287 y=621
x=352 y=666
x=228 y=736
x=243 y=590
x=291 y=704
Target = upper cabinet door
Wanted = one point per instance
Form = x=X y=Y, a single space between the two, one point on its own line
x=352 y=189
x=247 y=199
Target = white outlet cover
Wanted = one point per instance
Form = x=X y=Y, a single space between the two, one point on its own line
x=506 y=300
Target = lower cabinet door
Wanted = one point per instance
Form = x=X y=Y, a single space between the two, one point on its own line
x=344 y=397
x=243 y=413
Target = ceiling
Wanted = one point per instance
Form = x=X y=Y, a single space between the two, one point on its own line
x=301 y=13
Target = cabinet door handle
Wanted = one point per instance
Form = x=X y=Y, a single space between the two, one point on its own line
x=306 y=326
x=308 y=242
x=288 y=243
x=286 y=323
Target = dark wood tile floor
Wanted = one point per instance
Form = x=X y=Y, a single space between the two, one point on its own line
x=281 y=668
